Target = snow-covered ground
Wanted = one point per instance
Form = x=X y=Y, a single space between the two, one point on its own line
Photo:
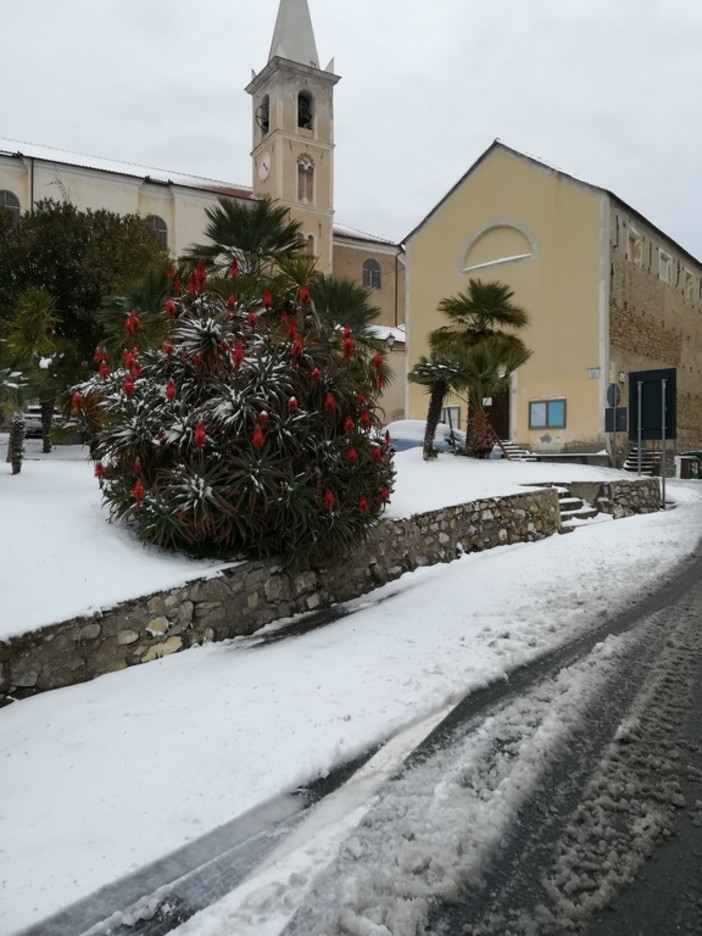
x=99 y=779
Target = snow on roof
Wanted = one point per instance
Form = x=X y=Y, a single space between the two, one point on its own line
x=343 y=230
x=383 y=332
x=9 y=147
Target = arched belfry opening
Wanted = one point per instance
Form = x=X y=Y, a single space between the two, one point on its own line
x=305 y=110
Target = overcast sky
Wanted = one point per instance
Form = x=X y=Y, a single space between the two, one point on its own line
x=607 y=90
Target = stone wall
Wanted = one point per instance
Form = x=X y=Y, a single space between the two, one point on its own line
x=620 y=498
x=252 y=594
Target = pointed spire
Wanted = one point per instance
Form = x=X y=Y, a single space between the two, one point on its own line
x=293 y=36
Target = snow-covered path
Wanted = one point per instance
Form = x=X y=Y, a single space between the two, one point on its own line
x=101 y=778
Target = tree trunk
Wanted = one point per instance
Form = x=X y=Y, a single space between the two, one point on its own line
x=47 y=418
x=436 y=403
x=481 y=435
x=15 y=449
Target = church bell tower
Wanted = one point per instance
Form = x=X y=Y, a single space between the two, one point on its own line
x=293 y=129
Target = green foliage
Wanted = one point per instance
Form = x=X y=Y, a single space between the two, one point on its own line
x=251 y=431
x=439 y=375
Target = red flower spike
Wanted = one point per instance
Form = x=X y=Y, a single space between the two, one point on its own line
x=349 y=425
x=103 y=370
x=263 y=417
x=257 y=439
x=200 y=435
x=293 y=403
x=234 y=268
x=238 y=353
x=385 y=495
x=377 y=361
x=380 y=382
x=231 y=302
x=316 y=374
x=365 y=419
x=329 y=401
x=193 y=285
x=388 y=440
x=253 y=319
x=200 y=274
x=128 y=386
x=363 y=505
x=224 y=345
x=292 y=332
x=304 y=296
x=168 y=347
x=296 y=348
x=138 y=491
x=349 y=348
x=376 y=454
x=99 y=470
x=137 y=466
x=170 y=390
x=284 y=317
x=170 y=272
x=197 y=359
x=77 y=400
x=178 y=286
x=131 y=323
x=351 y=455
x=347 y=332
x=361 y=397
x=328 y=499
x=135 y=369
x=267 y=300
x=170 y=307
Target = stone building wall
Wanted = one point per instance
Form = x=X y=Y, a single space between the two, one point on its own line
x=252 y=594
x=656 y=315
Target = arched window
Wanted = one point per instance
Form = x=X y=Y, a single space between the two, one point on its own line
x=309 y=244
x=263 y=114
x=305 y=179
x=305 y=110
x=11 y=202
x=371 y=274
x=159 y=225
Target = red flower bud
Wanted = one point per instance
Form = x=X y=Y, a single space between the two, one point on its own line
x=170 y=272
x=316 y=374
x=293 y=403
x=351 y=455
x=138 y=491
x=329 y=401
x=131 y=323
x=170 y=390
x=376 y=454
x=200 y=274
x=200 y=435
x=296 y=348
x=377 y=361
x=231 y=302
x=361 y=397
x=380 y=382
x=257 y=439
x=292 y=332
x=304 y=296
x=178 y=286
x=263 y=417
x=365 y=419
x=137 y=466
x=328 y=499
x=100 y=354
x=196 y=359
x=103 y=370
x=253 y=319
x=385 y=494
x=238 y=353
x=349 y=348
x=234 y=268
x=135 y=369
x=267 y=300
x=170 y=307
x=283 y=317
x=193 y=285
x=128 y=386
x=347 y=332
x=167 y=347
x=77 y=400
x=363 y=505
x=349 y=424
x=99 y=470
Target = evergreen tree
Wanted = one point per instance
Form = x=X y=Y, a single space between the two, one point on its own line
x=439 y=375
x=251 y=430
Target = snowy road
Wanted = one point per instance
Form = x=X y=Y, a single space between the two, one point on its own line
x=523 y=811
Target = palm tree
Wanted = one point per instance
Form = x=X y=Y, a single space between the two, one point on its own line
x=483 y=317
x=439 y=375
x=257 y=235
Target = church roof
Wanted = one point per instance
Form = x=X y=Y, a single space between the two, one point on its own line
x=293 y=36
x=342 y=230
x=147 y=173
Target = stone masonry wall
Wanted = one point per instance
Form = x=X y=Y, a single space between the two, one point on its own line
x=252 y=594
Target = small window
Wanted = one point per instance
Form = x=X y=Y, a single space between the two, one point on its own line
x=305 y=110
x=263 y=114
x=547 y=414
x=305 y=179
x=159 y=225
x=309 y=244
x=688 y=283
x=371 y=274
x=635 y=246
x=451 y=415
x=664 y=266
x=10 y=202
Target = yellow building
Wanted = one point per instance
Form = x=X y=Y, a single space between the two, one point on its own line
x=607 y=292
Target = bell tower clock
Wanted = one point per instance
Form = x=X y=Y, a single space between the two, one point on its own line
x=293 y=129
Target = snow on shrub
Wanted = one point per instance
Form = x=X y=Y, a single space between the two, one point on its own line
x=252 y=430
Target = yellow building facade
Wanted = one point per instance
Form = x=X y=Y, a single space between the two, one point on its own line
x=562 y=247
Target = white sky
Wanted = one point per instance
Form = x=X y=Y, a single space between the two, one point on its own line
x=607 y=91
